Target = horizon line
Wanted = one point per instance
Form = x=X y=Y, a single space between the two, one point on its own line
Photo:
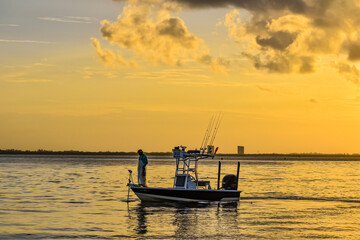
x=43 y=151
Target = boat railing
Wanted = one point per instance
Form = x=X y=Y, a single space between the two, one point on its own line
x=191 y=154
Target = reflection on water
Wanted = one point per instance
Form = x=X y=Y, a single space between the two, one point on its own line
x=186 y=221
x=85 y=198
x=141 y=218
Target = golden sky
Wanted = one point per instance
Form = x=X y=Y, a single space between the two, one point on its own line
x=106 y=75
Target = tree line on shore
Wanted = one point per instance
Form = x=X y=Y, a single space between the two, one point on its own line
x=73 y=152
x=76 y=152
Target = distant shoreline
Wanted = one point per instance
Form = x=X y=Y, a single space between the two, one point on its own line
x=74 y=152
x=222 y=156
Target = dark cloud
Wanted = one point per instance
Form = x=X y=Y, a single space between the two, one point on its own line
x=313 y=100
x=279 y=40
x=307 y=64
x=354 y=52
x=350 y=72
x=262 y=88
x=176 y=29
x=322 y=22
x=296 y=6
x=206 y=59
x=280 y=64
x=172 y=27
x=218 y=64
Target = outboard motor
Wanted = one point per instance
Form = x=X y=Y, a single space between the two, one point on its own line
x=229 y=182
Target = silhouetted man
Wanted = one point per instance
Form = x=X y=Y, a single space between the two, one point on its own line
x=141 y=168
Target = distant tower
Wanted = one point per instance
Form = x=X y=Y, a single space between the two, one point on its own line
x=241 y=150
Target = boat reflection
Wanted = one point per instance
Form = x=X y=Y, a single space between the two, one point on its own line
x=141 y=227
x=186 y=219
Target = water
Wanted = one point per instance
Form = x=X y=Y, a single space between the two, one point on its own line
x=62 y=197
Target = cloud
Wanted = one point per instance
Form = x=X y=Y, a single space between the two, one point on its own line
x=24 y=41
x=148 y=31
x=282 y=62
x=296 y=6
x=29 y=81
x=89 y=72
x=68 y=19
x=36 y=72
x=354 y=51
x=8 y=25
x=293 y=36
x=279 y=40
x=218 y=65
x=313 y=100
x=262 y=88
x=272 y=45
x=110 y=58
x=349 y=71
x=86 y=19
x=277 y=36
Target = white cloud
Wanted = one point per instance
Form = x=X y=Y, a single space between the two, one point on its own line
x=67 y=19
x=24 y=41
x=8 y=25
x=28 y=81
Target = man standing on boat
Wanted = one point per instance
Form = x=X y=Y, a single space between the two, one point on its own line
x=141 y=168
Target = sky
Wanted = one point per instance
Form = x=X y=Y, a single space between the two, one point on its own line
x=119 y=75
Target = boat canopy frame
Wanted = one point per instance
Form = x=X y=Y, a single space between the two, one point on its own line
x=187 y=164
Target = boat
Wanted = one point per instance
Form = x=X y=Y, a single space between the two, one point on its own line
x=187 y=187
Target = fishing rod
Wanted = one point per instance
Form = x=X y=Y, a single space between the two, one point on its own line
x=211 y=131
x=208 y=132
x=203 y=144
x=216 y=128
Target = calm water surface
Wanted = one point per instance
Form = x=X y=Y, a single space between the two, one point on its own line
x=66 y=197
